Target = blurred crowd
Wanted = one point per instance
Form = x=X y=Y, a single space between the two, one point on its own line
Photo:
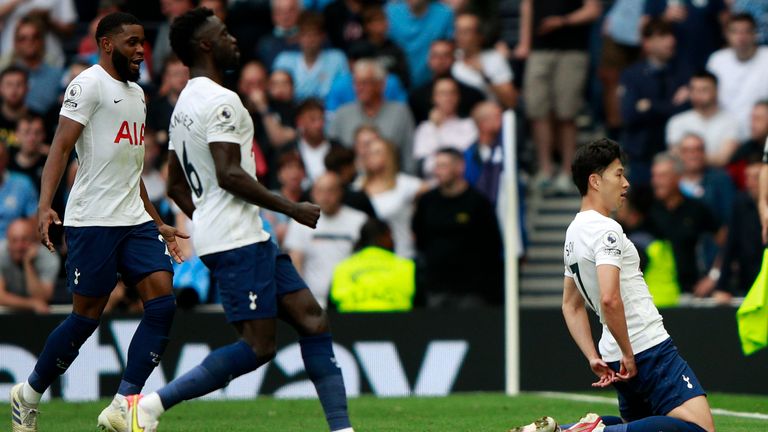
x=389 y=116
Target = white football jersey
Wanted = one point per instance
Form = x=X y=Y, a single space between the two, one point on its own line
x=207 y=112
x=592 y=240
x=110 y=150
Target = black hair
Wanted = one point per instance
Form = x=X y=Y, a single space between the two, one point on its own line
x=450 y=151
x=657 y=27
x=183 y=30
x=743 y=17
x=14 y=69
x=371 y=232
x=593 y=158
x=113 y=23
x=339 y=157
x=309 y=105
x=705 y=74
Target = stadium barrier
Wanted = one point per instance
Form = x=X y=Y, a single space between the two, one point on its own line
x=422 y=353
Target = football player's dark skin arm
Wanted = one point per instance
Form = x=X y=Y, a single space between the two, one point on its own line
x=232 y=178
x=67 y=133
x=178 y=188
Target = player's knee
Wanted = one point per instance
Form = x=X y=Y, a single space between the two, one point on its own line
x=314 y=322
x=160 y=309
x=264 y=347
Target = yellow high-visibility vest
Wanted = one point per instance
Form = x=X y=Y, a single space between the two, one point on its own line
x=374 y=280
x=661 y=274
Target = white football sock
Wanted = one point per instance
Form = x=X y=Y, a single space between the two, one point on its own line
x=30 y=396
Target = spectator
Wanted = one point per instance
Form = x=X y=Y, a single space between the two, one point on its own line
x=414 y=25
x=483 y=69
x=159 y=110
x=29 y=54
x=444 y=128
x=554 y=35
x=751 y=148
x=29 y=158
x=391 y=193
x=651 y=91
x=343 y=88
x=161 y=49
x=621 y=48
x=59 y=16
x=380 y=45
x=27 y=269
x=341 y=161
x=681 y=220
x=344 y=22
x=313 y=68
x=484 y=160
x=711 y=185
x=315 y=253
x=759 y=11
x=697 y=26
x=280 y=98
x=392 y=119
x=219 y=8
x=312 y=144
x=13 y=91
x=440 y=62
x=716 y=127
x=290 y=174
x=740 y=70
x=374 y=279
x=365 y=134
x=450 y=221
x=285 y=33
x=743 y=250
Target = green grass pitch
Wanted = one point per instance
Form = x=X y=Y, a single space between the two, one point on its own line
x=481 y=412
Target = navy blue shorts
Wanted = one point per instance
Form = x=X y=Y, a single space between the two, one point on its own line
x=97 y=254
x=664 y=381
x=251 y=278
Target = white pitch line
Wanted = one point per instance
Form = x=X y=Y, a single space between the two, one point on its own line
x=612 y=401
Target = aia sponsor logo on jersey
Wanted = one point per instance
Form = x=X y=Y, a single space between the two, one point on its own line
x=134 y=134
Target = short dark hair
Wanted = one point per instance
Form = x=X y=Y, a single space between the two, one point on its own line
x=183 y=31
x=450 y=151
x=311 y=20
x=309 y=105
x=370 y=233
x=761 y=102
x=594 y=158
x=289 y=157
x=13 y=69
x=113 y=23
x=743 y=17
x=705 y=74
x=373 y=13
x=339 y=157
x=657 y=27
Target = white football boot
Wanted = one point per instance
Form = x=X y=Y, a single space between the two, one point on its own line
x=23 y=416
x=138 y=419
x=544 y=424
x=589 y=423
x=112 y=418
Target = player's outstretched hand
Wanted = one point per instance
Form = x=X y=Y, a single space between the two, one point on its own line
x=628 y=368
x=306 y=213
x=46 y=217
x=605 y=374
x=170 y=233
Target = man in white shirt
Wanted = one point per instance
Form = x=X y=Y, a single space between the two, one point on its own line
x=315 y=253
x=740 y=70
x=717 y=127
x=657 y=390
x=212 y=178
x=110 y=225
x=312 y=143
x=61 y=16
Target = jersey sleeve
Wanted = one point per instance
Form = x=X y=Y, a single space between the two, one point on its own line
x=223 y=119
x=608 y=245
x=81 y=99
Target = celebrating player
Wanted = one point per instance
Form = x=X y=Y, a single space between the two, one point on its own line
x=657 y=389
x=212 y=179
x=108 y=223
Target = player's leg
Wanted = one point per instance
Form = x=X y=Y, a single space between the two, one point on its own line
x=656 y=424
x=695 y=411
x=245 y=279
x=91 y=275
x=299 y=308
